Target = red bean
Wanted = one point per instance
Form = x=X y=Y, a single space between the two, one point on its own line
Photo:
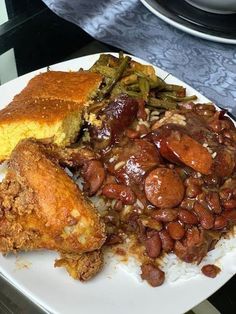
x=212 y=180
x=224 y=163
x=193 y=181
x=187 y=203
x=210 y=270
x=164 y=188
x=193 y=190
x=119 y=192
x=118 y=206
x=132 y=133
x=154 y=276
x=142 y=129
x=213 y=202
x=229 y=204
x=153 y=244
x=141 y=114
x=226 y=194
x=205 y=216
x=113 y=239
x=220 y=222
x=94 y=175
x=187 y=217
x=165 y=214
x=167 y=241
x=175 y=230
x=193 y=247
x=230 y=215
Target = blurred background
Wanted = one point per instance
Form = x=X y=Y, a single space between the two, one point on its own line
x=32 y=36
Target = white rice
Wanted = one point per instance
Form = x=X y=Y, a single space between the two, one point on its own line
x=177 y=270
x=142 y=122
x=119 y=165
x=214 y=155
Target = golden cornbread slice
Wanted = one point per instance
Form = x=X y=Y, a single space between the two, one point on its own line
x=51 y=106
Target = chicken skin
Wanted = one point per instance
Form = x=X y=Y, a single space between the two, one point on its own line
x=42 y=208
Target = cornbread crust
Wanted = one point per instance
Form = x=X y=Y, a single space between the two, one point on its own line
x=40 y=110
x=50 y=106
x=67 y=86
x=47 y=209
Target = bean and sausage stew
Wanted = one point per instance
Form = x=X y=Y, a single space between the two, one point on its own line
x=165 y=165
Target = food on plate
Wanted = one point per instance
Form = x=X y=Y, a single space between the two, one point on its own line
x=81 y=266
x=159 y=169
x=170 y=167
x=210 y=270
x=42 y=208
x=50 y=106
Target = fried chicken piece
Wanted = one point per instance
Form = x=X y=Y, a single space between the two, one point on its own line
x=42 y=208
x=82 y=267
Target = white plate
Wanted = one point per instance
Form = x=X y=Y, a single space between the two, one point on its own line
x=114 y=290
x=152 y=6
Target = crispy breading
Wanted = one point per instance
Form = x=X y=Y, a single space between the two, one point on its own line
x=41 y=207
x=82 y=267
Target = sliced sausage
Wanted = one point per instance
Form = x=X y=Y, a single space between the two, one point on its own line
x=164 y=188
x=119 y=115
x=178 y=147
x=154 y=276
x=140 y=156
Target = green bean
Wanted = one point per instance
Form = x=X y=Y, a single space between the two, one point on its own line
x=172 y=87
x=119 y=71
x=159 y=83
x=133 y=94
x=121 y=55
x=105 y=70
x=94 y=108
x=133 y=87
x=118 y=89
x=130 y=79
x=160 y=103
x=144 y=87
x=163 y=94
x=103 y=60
x=182 y=99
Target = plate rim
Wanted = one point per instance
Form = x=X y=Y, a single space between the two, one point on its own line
x=186 y=29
